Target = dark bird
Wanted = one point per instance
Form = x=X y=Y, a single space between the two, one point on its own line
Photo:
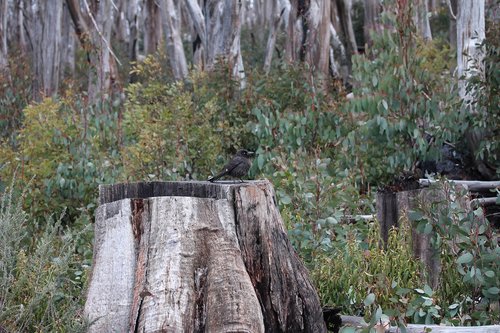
x=237 y=167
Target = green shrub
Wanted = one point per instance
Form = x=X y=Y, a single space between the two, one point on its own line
x=167 y=137
x=360 y=276
x=68 y=149
x=403 y=106
x=470 y=256
x=485 y=89
x=41 y=273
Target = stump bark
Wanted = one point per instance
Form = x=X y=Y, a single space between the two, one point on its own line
x=393 y=206
x=196 y=257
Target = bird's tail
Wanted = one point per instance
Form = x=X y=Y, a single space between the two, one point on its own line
x=216 y=177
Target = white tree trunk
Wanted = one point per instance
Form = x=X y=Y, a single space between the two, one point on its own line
x=277 y=15
x=309 y=34
x=223 y=30
x=421 y=19
x=470 y=33
x=172 y=29
x=21 y=10
x=452 y=31
x=338 y=56
x=3 y=34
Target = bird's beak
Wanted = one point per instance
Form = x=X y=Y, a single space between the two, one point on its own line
x=251 y=153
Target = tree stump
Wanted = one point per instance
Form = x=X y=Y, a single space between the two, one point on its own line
x=196 y=257
x=393 y=206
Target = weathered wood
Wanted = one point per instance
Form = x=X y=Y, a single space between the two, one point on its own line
x=196 y=257
x=471 y=185
x=281 y=281
x=393 y=206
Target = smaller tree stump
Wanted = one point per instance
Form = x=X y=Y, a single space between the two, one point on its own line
x=196 y=257
x=393 y=206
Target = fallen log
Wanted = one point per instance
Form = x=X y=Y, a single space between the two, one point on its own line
x=196 y=257
x=471 y=185
x=359 y=323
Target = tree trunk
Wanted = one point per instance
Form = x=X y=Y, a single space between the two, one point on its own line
x=421 y=19
x=372 y=12
x=317 y=40
x=309 y=34
x=277 y=15
x=133 y=40
x=67 y=44
x=343 y=41
x=200 y=41
x=44 y=26
x=152 y=26
x=81 y=29
x=223 y=29
x=172 y=29
x=471 y=33
x=452 y=31
x=196 y=257
x=296 y=20
x=4 y=15
x=344 y=9
x=103 y=74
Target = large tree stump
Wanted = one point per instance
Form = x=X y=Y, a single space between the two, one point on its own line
x=196 y=257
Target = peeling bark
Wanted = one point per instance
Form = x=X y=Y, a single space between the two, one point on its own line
x=196 y=257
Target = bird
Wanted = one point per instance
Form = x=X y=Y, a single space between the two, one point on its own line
x=237 y=167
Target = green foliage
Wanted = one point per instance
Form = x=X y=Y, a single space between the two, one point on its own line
x=485 y=89
x=470 y=254
x=403 y=108
x=321 y=152
x=68 y=149
x=41 y=273
x=168 y=136
x=298 y=128
x=361 y=276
